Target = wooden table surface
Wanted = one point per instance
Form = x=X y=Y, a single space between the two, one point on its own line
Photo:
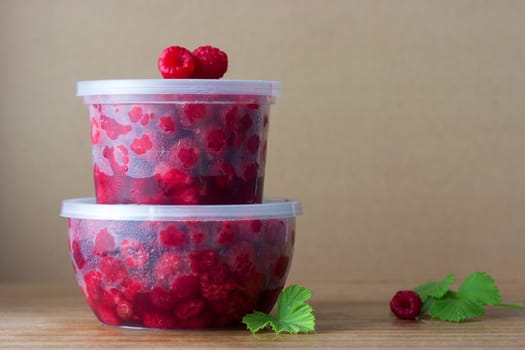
x=353 y=315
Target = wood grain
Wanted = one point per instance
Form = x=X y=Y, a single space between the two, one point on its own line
x=353 y=315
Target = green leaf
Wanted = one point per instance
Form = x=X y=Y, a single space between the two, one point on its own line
x=454 y=308
x=257 y=320
x=480 y=287
x=294 y=315
x=434 y=290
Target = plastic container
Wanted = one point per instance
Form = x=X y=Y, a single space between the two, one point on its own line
x=179 y=141
x=162 y=266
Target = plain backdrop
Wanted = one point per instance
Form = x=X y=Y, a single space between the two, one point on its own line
x=400 y=125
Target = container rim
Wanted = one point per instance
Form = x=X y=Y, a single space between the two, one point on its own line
x=87 y=208
x=178 y=86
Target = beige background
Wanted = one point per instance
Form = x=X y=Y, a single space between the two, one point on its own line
x=401 y=124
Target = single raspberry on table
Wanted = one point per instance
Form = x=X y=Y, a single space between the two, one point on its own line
x=176 y=62
x=210 y=62
x=406 y=305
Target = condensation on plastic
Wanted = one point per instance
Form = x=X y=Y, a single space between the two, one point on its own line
x=86 y=208
x=178 y=91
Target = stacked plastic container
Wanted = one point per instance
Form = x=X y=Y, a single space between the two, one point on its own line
x=179 y=235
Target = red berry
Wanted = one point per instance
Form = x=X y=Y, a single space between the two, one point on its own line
x=113 y=128
x=155 y=319
x=141 y=145
x=210 y=62
x=167 y=124
x=186 y=286
x=135 y=114
x=134 y=253
x=241 y=259
x=113 y=270
x=216 y=140
x=190 y=308
x=172 y=237
x=252 y=144
x=176 y=62
x=77 y=255
x=216 y=284
x=406 y=305
x=202 y=261
x=167 y=266
x=162 y=298
x=104 y=243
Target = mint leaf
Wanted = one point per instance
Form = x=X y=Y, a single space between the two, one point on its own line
x=257 y=320
x=454 y=308
x=434 y=290
x=480 y=287
x=294 y=315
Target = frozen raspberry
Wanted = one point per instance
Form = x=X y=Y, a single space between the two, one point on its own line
x=162 y=298
x=167 y=267
x=113 y=128
x=241 y=259
x=124 y=309
x=133 y=253
x=93 y=282
x=232 y=310
x=197 y=237
x=216 y=284
x=202 y=261
x=77 y=255
x=224 y=178
x=141 y=145
x=186 y=286
x=406 y=305
x=155 y=319
x=113 y=270
x=192 y=112
x=135 y=114
x=210 y=62
x=172 y=180
x=252 y=144
x=167 y=124
x=107 y=316
x=185 y=153
x=104 y=243
x=216 y=140
x=172 y=237
x=176 y=62
x=245 y=123
x=94 y=131
x=188 y=195
x=253 y=284
x=226 y=233
x=189 y=309
x=131 y=288
x=110 y=297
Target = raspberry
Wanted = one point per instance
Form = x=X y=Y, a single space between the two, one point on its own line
x=107 y=316
x=93 y=281
x=133 y=253
x=77 y=255
x=216 y=140
x=135 y=114
x=124 y=309
x=176 y=62
x=281 y=266
x=131 y=288
x=172 y=180
x=226 y=233
x=186 y=286
x=189 y=309
x=94 y=131
x=113 y=128
x=141 y=145
x=167 y=267
x=113 y=270
x=167 y=124
x=104 y=243
x=162 y=298
x=406 y=305
x=202 y=261
x=241 y=259
x=161 y=320
x=193 y=112
x=172 y=237
x=210 y=62
x=217 y=284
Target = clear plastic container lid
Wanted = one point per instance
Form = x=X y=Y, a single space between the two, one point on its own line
x=86 y=208
x=179 y=87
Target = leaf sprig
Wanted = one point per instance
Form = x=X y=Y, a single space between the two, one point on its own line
x=294 y=315
x=477 y=291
